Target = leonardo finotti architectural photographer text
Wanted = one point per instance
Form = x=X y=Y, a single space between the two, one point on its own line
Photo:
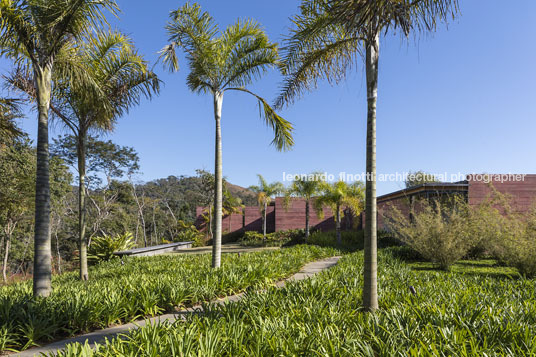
x=404 y=176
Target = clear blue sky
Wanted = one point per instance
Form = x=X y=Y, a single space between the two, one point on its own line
x=462 y=100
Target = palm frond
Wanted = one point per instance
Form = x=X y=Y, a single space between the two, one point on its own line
x=247 y=53
x=282 y=128
x=192 y=30
x=9 y=112
x=318 y=48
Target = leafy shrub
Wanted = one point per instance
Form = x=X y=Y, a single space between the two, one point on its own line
x=189 y=233
x=514 y=242
x=505 y=234
x=275 y=239
x=442 y=233
x=103 y=248
x=142 y=286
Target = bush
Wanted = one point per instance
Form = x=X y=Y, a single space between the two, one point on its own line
x=103 y=248
x=514 y=243
x=188 y=233
x=442 y=233
x=275 y=239
x=506 y=235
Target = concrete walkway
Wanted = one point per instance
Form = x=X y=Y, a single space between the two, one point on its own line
x=225 y=248
x=306 y=271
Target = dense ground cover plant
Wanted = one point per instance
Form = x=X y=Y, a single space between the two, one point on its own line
x=457 y=313
x=142 y=286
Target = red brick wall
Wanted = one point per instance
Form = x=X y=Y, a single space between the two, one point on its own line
x=522 y=193
x=277 y=218
x=293 y=217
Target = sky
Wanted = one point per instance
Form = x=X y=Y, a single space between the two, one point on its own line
x=461 y=100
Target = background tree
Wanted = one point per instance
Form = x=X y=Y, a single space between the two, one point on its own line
x=221 y=62
x=265 y=193
x=16 y=191
x=419 y=178
x=307 y=189
x=338 y=196
x=118 y=78
x=9 y=112
x=328 y=38
x=40 y=36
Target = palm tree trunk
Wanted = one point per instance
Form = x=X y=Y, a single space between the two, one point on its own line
x=82 y=241
x=338 y=226
x=306 y=219
x=42 y=272
x=218 y=183
x=370 y=288
x=264 y=221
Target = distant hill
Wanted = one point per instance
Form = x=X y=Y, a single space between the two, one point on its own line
x=248 y=197
x=185 y=193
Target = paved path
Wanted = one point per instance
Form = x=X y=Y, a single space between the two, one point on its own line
x=306 y=271
x=225 y=248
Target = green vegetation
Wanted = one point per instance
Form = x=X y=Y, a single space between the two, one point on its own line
x=446 y=230
x=103 y=248
x=465 y=312
x=441 y=232
x=141 y=287
x=275 y=239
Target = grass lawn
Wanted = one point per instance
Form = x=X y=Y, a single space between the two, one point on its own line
x=476 y=309
x=141 y=287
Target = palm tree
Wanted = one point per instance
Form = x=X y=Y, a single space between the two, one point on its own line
x=305 y=188
x=38 y=34
x=222 y=62
x=265 y=192
x=231 y=205
x=329 y=37
x=118 y=78
x=337 y=196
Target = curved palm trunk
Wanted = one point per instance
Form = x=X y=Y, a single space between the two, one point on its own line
x=82 y=241
x=338 y=225
x=264 y=221
x=306 y=219
x=218 y=183
x=370 y=289
x=42 y=273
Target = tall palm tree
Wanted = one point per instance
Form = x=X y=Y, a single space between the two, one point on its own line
x=305 y=188
x=118 y=78
x=265 y=192
x=337 y=196
x=329 y=37
x=38 y=34
x=222 y=62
